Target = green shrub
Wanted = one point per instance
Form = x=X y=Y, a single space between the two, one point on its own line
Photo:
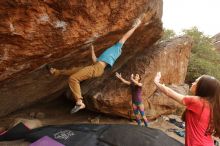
x=199 y=66
x=204 y=59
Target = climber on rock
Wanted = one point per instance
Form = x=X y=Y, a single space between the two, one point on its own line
x=107 y=58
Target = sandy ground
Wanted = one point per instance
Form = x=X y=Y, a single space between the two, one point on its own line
x=57 y=113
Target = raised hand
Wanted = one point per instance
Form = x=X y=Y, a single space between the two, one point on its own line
x=137 y=22
x=157 y=77
x=118 y=75
x=132 y=76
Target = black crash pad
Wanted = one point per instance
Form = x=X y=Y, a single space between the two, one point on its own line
x=103 y=135
x=17 y=132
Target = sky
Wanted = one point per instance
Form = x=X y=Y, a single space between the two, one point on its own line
x=184 y=14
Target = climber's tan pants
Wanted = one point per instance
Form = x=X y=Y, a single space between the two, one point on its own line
x=82 y=73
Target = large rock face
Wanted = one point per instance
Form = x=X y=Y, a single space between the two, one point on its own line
x=171 y=58
x=36 y=32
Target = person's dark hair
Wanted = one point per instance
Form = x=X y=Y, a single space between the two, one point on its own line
x=208 y=88
x=139 y=77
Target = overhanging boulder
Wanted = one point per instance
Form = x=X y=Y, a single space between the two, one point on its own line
x=34 y=33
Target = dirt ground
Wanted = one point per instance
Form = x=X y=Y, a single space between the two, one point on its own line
x=57 y=113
